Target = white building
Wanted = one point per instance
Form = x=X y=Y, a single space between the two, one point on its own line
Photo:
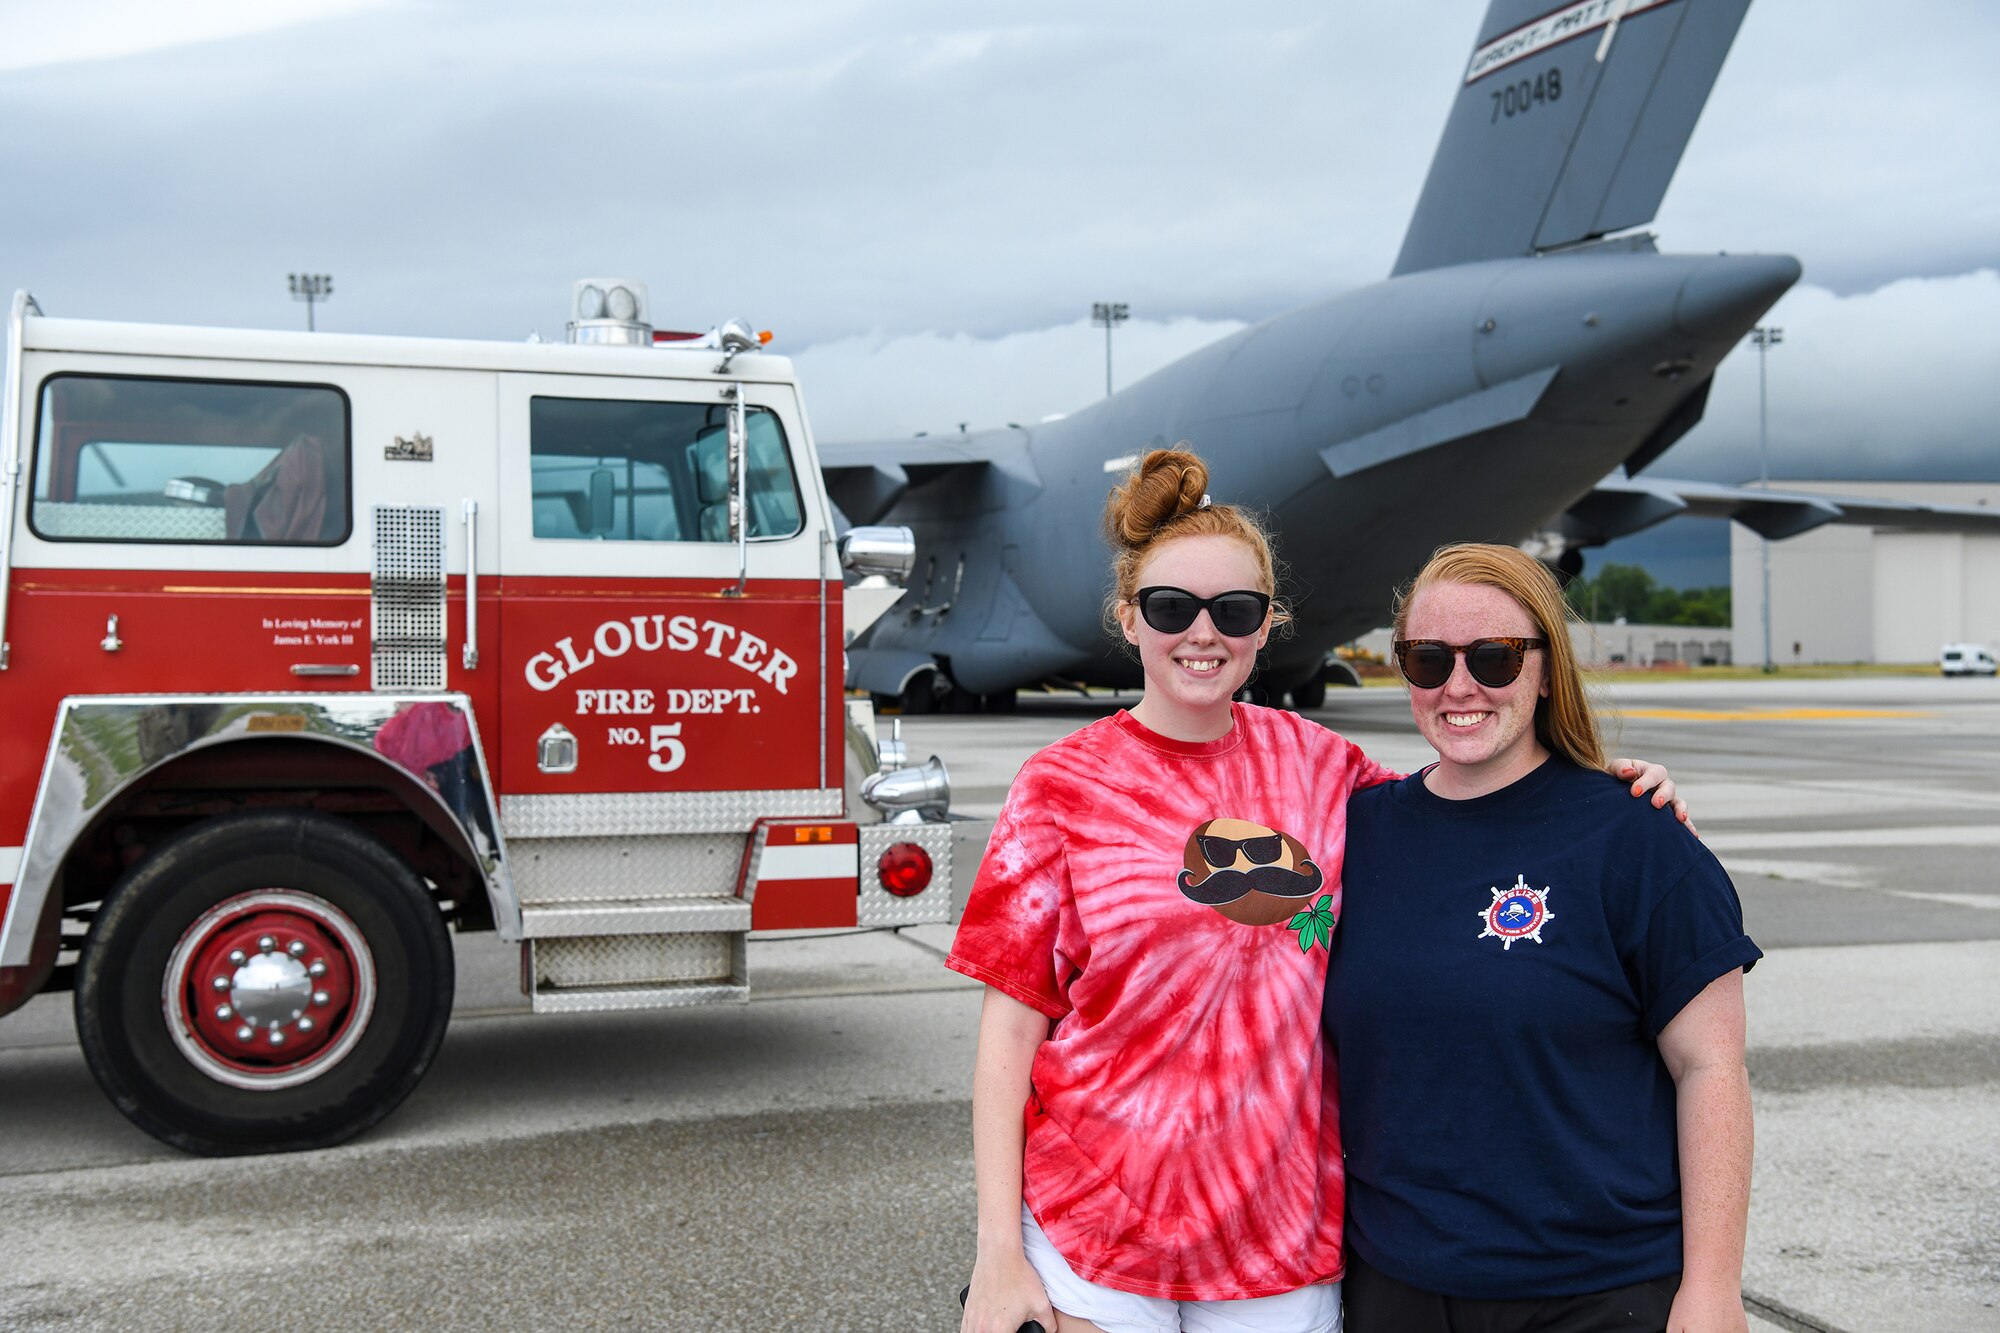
x=1854 y=594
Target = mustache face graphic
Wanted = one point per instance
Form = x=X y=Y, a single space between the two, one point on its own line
x=1226 y=886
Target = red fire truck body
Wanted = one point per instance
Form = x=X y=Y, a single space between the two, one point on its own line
x=312 y=646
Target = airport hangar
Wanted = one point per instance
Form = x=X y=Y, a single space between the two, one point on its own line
x=1840 y=593
x=1862 y=594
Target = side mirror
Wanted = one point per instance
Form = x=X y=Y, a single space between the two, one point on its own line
x=603 y=501
x=888 y=551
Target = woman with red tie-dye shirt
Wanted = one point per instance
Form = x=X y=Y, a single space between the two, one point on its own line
x=1154 y=1144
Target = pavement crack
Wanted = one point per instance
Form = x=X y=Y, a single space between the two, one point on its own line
x=1784 y=1316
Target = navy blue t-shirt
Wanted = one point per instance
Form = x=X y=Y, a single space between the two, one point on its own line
x=1501 y=972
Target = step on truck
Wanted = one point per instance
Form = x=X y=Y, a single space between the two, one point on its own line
x=315 y=648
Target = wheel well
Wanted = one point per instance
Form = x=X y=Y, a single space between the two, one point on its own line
x=269 y=774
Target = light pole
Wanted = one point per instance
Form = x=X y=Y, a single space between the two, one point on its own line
x=1109 y=315
x=311 y=288
x=1765 y=337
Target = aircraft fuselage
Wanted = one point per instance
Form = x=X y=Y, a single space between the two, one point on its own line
x=1472 y=402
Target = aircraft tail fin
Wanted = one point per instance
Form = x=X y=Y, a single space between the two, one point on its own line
x=1567 y=126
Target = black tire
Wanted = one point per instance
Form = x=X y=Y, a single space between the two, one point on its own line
x=1309 y=695
x=371 y=953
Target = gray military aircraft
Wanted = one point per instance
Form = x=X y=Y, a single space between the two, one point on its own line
x=1518 y=353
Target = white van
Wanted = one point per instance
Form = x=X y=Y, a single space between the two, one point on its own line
x=1966 y=659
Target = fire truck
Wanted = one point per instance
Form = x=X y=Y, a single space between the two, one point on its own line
x=315 y=648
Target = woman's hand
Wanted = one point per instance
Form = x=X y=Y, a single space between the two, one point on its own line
x=1653 y=778
x=1707 y=1309
x=1005 y=1294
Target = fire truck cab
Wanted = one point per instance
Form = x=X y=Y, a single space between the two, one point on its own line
x=314 y=647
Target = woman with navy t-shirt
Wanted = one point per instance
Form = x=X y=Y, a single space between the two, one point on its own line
x=1534 y=1002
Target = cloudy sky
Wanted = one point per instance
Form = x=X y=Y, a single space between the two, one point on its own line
x=923 y=200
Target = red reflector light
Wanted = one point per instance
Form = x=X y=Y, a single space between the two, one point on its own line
x=904 y=869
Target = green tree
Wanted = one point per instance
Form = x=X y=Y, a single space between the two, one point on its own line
x=1631 y=592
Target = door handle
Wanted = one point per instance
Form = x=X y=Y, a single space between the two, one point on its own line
x=470 y=656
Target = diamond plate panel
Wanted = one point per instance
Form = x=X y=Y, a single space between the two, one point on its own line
x=705 y=914
x=406 y=606
x=637 y=960
x=583 y=870
x=878 y=906
x=637 y=997
x=152 y=523
x=753 y=866
x=623 y=813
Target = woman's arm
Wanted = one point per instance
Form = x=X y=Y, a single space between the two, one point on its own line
x=1005 y=1291
x=1703 y=1051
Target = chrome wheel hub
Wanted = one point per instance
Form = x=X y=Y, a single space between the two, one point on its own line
x=269 y=989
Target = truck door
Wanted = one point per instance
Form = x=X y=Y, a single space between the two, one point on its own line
x=655 y=670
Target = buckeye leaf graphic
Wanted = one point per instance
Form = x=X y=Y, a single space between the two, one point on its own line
x=1315 y=925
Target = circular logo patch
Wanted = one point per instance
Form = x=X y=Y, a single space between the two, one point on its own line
x=1517 y=912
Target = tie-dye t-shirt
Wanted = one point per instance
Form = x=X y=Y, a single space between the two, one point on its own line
x=1169 y=904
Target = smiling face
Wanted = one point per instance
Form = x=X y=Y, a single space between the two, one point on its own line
x=1485 y=737
x=1191 y=676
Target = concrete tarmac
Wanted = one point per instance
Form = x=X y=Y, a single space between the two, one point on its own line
x=803 y=1162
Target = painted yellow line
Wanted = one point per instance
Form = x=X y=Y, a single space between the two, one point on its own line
x=1767 y=714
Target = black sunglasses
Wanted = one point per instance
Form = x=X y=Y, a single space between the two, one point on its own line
x=1237 y=614
x=1494 y=663
x=1221 y=852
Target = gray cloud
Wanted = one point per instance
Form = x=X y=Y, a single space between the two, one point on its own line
x=894 y=185
x=1893 y=383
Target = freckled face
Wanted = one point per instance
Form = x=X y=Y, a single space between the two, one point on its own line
x=1190 y=676
x=1483 y=736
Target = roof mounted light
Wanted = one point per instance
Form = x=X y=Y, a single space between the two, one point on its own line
x=610 y=310
x=736 y=337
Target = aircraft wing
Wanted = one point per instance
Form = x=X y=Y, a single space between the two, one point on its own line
x=865 y=478
x=1620 y=506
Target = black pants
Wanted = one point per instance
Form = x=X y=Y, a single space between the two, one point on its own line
x=1375 y=1303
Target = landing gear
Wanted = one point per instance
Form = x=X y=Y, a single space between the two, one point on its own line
x=920 y=697
x=933 y=691
x=1309 y=695
x=264 y=983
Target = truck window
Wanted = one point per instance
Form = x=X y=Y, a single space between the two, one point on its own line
x=608 y=470
x=128 y=459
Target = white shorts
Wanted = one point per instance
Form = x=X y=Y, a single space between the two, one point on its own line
x=1314 y=1309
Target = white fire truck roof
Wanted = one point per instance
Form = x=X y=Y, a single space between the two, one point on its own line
x=42 y=334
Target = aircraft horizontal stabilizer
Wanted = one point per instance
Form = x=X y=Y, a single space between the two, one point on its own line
x=1489 y=409
x=1621 y=506
x=867 y=491
x=866 y=479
